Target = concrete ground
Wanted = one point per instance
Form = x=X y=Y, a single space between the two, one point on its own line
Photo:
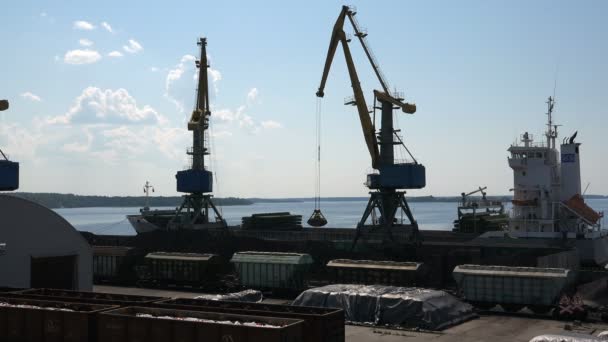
x=492 y=327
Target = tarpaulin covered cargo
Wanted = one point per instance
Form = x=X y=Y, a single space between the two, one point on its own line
x=389 y=305
x=566 y=337
x=251 y=296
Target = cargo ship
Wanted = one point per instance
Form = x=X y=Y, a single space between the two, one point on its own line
x=548 y=204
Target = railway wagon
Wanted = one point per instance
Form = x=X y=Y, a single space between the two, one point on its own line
x=113 y=264
x=70 y=296
x=179 y=269
x=168 y=325
x=28 y=320
x=320 y=324
x=272 y=270
x=513 y=288
x=371 y=272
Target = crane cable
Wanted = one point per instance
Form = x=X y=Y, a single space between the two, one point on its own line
x=318 y=159
x=317 y=219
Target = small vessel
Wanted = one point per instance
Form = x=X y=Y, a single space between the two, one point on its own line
x=479 y=215
x=150 y=220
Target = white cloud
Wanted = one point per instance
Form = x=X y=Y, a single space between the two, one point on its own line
x=133 y=46
x=174 y=75
x=32 y=97
x=216 y=77
x=270 y=124
x=96 y=105
x=83 y=25
x=221 y=134
x=85 y=42
x=115 y=54
x=252 y=95
x=153 y=69
x=80 y=147
x=107 y=26
x=78 y=56
x=43 y=14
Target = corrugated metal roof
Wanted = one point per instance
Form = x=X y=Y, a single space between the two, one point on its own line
x=509 y=271
x=372 y=264
x=180 y=256
x=271 y=258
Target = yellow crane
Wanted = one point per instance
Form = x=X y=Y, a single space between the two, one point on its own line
x=385 y=201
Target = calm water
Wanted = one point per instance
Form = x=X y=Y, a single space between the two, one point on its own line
x=430 y=215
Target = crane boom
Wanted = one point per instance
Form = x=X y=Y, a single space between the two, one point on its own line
x=369 y=133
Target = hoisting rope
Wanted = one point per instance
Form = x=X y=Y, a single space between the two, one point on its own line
x=317 y=219
x=318 y=159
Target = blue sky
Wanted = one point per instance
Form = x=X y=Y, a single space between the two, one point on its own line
x=101 y=108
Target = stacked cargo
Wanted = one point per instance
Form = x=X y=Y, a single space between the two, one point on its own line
x=320 y=324
x=272 y=221
x=376 y=272
x=272 y=270
x=166 y=325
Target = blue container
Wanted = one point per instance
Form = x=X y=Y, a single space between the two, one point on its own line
x=194 y=181
x=9 y=175
x=398 y=176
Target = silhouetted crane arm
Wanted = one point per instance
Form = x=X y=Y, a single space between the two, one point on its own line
x=333 y=45
x=339 y=36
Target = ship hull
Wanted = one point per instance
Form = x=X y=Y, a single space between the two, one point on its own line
x=141 y=225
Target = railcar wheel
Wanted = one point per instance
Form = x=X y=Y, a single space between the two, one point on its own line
x=510 y=307
x=540 y=309
x=484 y=305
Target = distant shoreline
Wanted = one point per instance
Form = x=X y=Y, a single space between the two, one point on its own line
x=57 y=201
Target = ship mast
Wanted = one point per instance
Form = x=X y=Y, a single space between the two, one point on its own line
x=551 y=128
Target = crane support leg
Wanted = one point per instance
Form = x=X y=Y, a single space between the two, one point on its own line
x=389 y=203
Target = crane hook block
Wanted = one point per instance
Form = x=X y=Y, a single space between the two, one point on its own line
x=317 y=219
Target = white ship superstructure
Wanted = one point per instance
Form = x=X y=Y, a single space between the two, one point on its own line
x=547 y=186
x=548 y=205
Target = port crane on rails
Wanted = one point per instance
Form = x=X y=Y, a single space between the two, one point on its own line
x=9 y=170
x=197 y=210
x=387 y=197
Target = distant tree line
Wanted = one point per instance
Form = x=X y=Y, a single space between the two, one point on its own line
x=55 y=200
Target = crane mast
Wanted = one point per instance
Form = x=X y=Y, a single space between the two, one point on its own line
x=197 y=210
x=391 y=175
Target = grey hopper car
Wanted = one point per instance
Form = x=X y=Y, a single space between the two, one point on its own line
x=179 y=269
x=539 y=289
